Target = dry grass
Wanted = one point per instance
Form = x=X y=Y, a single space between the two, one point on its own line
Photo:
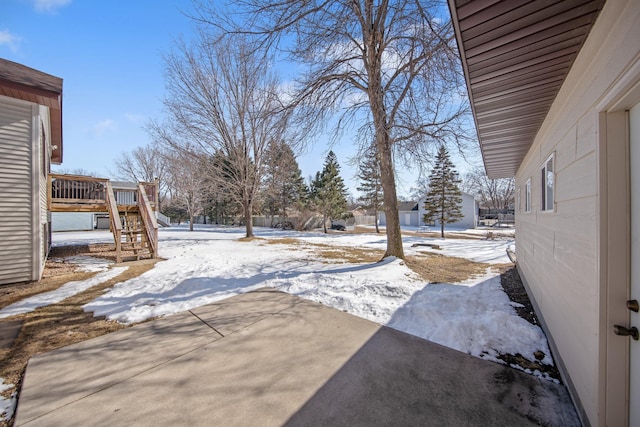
x=249 y=239
x=100 y=250
x=332 y=253
x=436 y=268
x=57 y=325
x=433 y=268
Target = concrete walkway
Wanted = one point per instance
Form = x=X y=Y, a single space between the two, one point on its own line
x=266 y=358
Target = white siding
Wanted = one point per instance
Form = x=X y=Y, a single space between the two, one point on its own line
x=42 y=151
x=558 y=250
x=16 y=252
x=72 y=221
x=407 y=218
x=469 y=213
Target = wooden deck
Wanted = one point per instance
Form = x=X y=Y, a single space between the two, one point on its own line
x=131 y=208
x=78 y=193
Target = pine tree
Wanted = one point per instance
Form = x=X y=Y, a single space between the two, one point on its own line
x=328 y=191
x=443 y=201
x=370 y=183
x=283 y=184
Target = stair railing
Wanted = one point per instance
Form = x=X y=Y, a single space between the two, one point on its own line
x=149 y=220
x=114 y=218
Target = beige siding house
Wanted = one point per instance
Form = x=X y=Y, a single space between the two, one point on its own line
x=555 y=89
x=30 y=140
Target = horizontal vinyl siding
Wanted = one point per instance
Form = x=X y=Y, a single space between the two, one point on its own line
x=558 y=252
x=43 y=161
x=16 y=254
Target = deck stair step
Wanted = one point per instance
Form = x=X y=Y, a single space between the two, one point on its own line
x=133 y=236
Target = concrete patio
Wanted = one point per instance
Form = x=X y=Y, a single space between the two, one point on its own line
x=267 y=358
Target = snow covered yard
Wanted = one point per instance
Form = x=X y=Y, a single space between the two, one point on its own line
x=212 y=263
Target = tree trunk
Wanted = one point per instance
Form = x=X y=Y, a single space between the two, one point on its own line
x=394 y=236
x=388 y=180
x=375 y=219
x=324 y=223
x=442 y=203
x=383 y=144
x=190 y=221
x=248 y=221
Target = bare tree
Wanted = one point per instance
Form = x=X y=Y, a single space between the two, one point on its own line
x=77 y=171
x=493 y=193
x=222 y=99
x=185 y=181
x=390 y=66
x=143 y=164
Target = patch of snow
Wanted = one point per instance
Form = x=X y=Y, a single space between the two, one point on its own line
x=7 y=406
x=210 y=264
x=89 y=263
x=65 y=291
x=62 y=238
x=474 y=317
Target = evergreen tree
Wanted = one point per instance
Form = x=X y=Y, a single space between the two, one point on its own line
x=443 y=201
x=370 y=183
x=328 y=191
x=283 y=184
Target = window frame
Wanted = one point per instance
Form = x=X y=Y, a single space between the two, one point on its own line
x=527 y=195
x=547 y=205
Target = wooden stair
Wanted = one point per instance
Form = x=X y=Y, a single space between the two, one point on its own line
x=134 y=238
x=134 y=227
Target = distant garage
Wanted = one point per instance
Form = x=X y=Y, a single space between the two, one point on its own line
x=72 y=221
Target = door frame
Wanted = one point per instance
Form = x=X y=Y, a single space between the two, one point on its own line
x=614 y=244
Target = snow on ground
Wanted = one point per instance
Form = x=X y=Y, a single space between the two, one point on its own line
x=65 y=291
x=475 y=317
x=210 y=264
x=7 y=406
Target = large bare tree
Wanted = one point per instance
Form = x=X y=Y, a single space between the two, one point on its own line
x=493 y=193
x=223 y=100
x=185 y=180
x=389 y=66
x=143 y=164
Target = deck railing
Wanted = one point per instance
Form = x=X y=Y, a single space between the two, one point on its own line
x=114 y=218
x=76 y=193
x=67 y=191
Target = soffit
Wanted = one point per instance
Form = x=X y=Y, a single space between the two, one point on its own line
x=516 y=55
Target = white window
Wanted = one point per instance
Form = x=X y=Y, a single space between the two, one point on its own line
x=548 y=183
x=527 y=196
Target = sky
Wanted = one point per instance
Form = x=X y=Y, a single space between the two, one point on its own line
x=110 y=57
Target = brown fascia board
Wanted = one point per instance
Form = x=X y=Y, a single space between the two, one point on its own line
x=21 y=82
x=26 y=76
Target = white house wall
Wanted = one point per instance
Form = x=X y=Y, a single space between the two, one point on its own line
x=16 y=198
x=468 y=208
x=40 y=171
x=557 y=251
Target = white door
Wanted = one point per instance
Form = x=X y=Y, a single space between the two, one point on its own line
x=634 y=358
